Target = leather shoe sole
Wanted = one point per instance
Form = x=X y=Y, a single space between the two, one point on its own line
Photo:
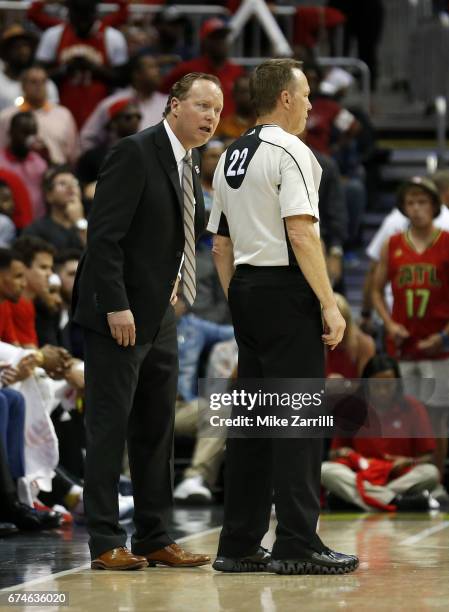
x=100 y=565
x=154 y=563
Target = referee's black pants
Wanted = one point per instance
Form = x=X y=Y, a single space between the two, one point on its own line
x=278 y=327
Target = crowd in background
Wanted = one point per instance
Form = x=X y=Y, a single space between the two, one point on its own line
x=72 y=83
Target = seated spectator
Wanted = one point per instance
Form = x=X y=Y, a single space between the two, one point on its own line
x=214 y=60
x=200 y=476
x=333 y=218
x=48 y=313
x=392 y=472
x=7 y=227
x=37 y=255
x=39 y=16
x=86 y=59
x=350 y=357
x=236 y=124
x=22 y=213
x=60 y=227
x=12 y=510
x=210 y=155
x=144 y=76
x=124 y=119
x=71 y=337
x=17 y=47
x=20 y=158
x=55 y=123
x=170 y=47
x=12 y=286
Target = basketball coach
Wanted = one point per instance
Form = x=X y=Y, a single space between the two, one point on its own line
x=147 y=211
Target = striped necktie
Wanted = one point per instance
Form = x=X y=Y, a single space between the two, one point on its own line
x=189 y=276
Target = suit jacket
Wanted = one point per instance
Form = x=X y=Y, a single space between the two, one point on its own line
x=135 y=238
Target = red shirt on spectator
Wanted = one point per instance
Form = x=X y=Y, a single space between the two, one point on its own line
x=80 y=92
x=23 y=210
x=7 y=330
x=24 y=320
x=410 y=421
x=36 y=13
x=227 y=74
x=326 y=114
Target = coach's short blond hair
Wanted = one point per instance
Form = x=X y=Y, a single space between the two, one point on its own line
x=181 y=88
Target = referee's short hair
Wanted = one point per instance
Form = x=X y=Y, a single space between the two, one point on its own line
x=181 y=88
x=268 y=80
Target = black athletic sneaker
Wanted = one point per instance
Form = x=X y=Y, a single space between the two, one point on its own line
x=325 y=562
x=252 y=563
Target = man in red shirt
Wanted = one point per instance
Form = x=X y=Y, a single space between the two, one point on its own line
x=12 y=285
x=388 y=464
x=37 y=255
x=214 y=60
x=416 y=263
x=85 y=56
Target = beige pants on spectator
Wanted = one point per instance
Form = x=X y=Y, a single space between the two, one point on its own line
x=208 y=452
x=341 y=480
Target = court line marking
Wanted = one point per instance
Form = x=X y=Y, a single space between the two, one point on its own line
x=421 y=535
x=80 y=568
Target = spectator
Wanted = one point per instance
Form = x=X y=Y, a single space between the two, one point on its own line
x=392 y=472
x=22 y=210
x=20 y=158
x=214 y=60
x=170 y=47
x=17 y=47
x=66 y=264
x=244 y=117
x=396 y=222
x=331 y=130
x=84 y=57
x=210 y=155
x=333 y=218
x=12 y=510
x=124 y=119
x=37 y=255
x=48 y=313
x=144 y=76
x=415 y=263
x=60 y=226
x=7 y=227
x=350 y=357
x=44 y=20
x=12 y=286
x=56 y=126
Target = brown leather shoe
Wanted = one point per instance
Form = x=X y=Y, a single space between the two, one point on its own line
x=119 y=559
x=175 y=556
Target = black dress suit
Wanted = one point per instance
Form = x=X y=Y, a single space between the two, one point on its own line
x=134 y=249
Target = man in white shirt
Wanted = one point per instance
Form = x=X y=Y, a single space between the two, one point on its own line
x=269 y=258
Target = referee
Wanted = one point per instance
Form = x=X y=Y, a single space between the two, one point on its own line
x=268 y=255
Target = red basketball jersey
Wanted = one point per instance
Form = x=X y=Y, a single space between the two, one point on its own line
x=420 y=285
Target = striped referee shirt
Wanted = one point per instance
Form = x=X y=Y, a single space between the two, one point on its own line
x=265 y=176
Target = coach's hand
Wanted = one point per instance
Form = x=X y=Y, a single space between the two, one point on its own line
x=334 y=326
x=122 y=327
